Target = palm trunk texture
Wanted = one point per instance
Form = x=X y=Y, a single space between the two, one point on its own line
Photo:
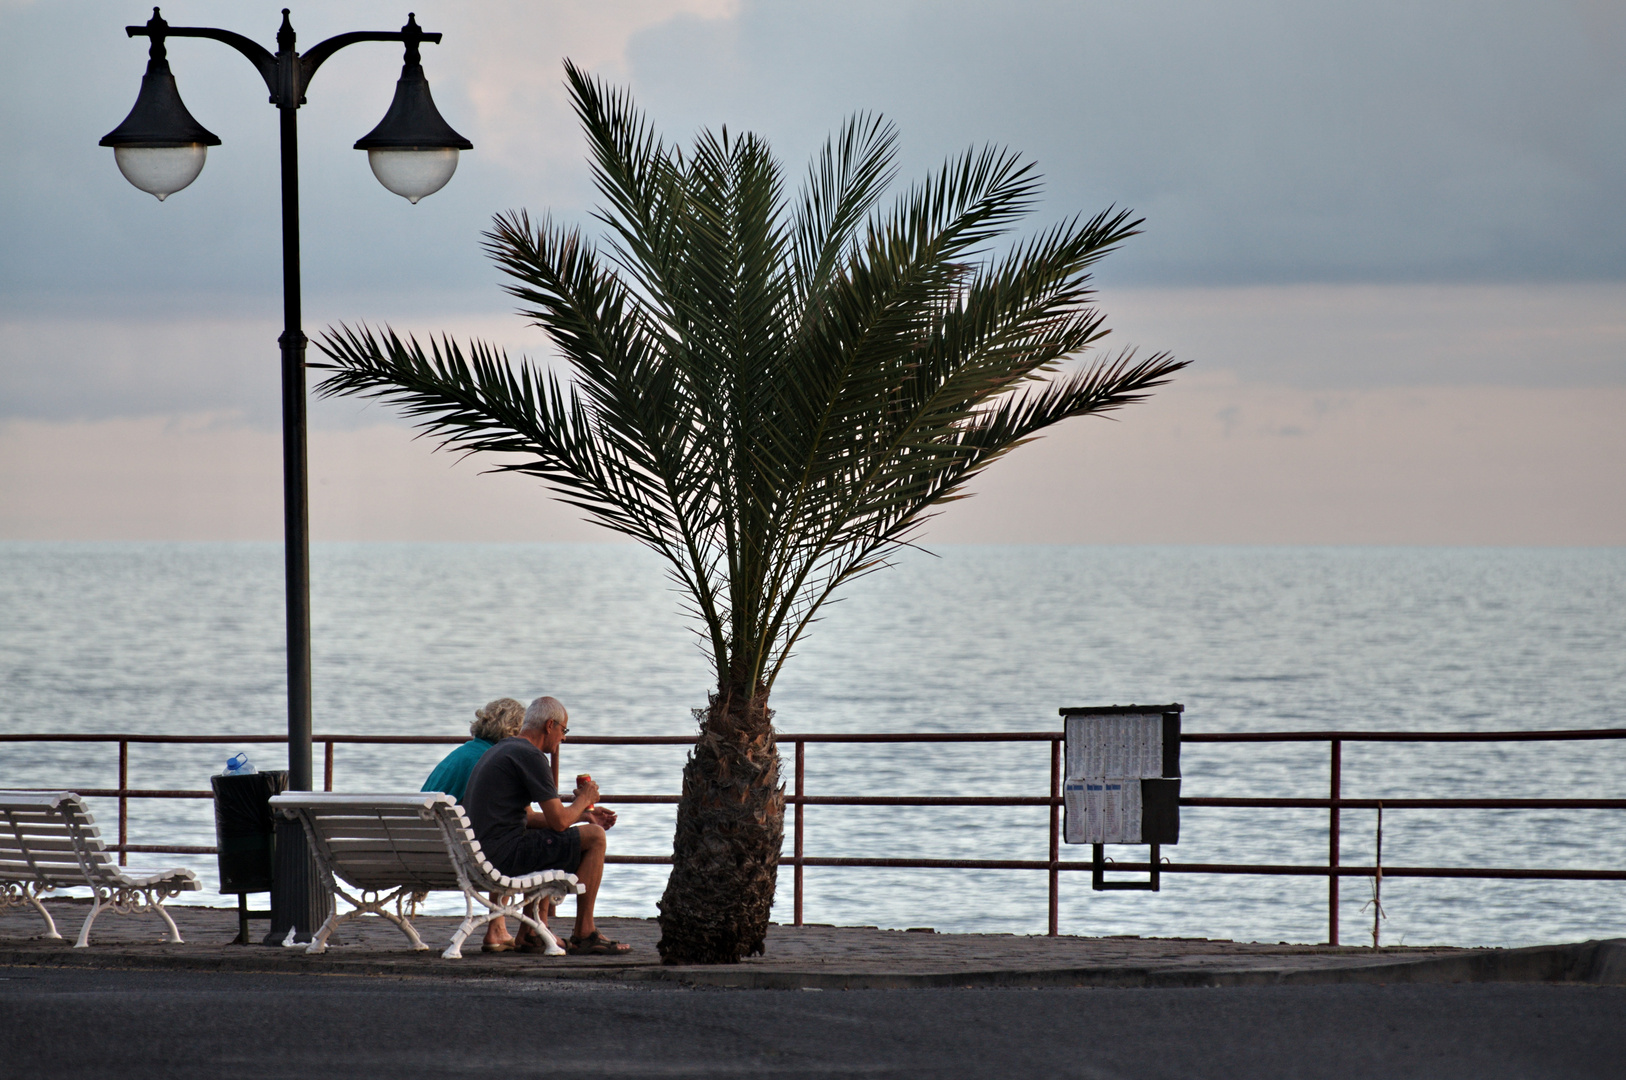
x=730 y=825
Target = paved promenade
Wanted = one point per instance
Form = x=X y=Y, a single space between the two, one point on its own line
x=811 y=957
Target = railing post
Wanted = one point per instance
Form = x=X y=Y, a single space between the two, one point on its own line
x=801 y=759
x=1332 y=842
x=1055 y=837
x=327 y=766
x=124 y=801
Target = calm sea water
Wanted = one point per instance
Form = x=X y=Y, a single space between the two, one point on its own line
x=411 y=638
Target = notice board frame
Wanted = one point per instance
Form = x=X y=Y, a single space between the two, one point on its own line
x=1160 y=796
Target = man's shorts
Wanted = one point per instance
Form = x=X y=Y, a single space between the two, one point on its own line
x=544 y=849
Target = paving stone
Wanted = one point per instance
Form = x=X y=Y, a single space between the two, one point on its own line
x=832 y=957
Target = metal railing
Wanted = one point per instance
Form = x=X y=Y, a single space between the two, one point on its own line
x=1054 y=866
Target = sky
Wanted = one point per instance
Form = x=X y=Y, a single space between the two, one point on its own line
x=1388 y=236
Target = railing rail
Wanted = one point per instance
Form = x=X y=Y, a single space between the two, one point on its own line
x=1334 y=869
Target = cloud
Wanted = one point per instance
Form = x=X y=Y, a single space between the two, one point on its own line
x=1341 y=336
x=1265 y=141
x=1390 y=221
x=1213 y=460
x=1207 y=460
x=204 y=476
x=73 y=230
x=516 y=83
x=60 y=367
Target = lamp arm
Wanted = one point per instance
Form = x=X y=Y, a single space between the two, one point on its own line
x=263 y=60
x=285 y=91
x=312 y=58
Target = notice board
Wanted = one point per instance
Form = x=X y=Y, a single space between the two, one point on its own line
x=1122 y=774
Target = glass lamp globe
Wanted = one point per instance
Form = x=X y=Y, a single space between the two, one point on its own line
x=160 y=147
x=413 y=150
x=161 y=170
x=413 y=171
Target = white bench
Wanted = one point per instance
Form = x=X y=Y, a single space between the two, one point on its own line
x=49 y=841
x=389 y=847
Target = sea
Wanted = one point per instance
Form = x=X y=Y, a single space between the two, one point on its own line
x=188 y=638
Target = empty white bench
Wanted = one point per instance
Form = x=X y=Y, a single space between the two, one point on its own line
x=388 y=847
x=49 y=841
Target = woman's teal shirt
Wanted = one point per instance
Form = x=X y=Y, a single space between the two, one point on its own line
x=452 y=774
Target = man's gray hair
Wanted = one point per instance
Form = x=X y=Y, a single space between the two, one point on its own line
x=541 y=711
x=498 y=720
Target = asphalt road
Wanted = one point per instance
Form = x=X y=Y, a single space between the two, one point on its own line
x=133 y=1024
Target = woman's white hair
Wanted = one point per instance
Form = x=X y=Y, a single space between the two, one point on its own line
x=498 y=720
x=541 y=711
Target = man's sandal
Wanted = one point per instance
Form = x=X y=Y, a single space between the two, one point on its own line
x=595 y=944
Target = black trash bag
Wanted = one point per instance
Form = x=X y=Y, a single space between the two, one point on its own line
x=244 y=832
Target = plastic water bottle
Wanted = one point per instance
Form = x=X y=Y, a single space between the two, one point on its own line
x=238 y=765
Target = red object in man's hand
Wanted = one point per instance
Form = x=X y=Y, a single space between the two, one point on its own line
x=582 y=780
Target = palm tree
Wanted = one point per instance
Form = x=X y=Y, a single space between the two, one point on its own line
x=773 y=394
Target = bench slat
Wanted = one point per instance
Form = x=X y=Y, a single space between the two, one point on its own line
x=380 y=875
x=36 y=843
x=47 y=873
x=378 y=871
x=370 y=813
x=442 y=866
x=42 y=828
x=43 y=858
x=377 y=830
x=344 y=847
x=44 y=843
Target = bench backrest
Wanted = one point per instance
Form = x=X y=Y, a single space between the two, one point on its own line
x=387 y=841
x=50 y=838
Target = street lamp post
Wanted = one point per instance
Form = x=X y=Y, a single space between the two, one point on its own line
x=413 y=152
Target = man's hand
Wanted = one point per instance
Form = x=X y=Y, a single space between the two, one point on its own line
x=589 y=790
x=602 y=816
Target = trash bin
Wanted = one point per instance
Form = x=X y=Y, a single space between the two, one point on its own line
x=245 y=837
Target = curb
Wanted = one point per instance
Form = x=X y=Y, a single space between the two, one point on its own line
x=1599 y=963
x=1590 y=962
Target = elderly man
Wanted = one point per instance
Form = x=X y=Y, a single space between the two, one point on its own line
x=520 y=840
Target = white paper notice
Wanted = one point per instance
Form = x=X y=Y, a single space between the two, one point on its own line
x=1103 y=811
x=1125 y=744
x=1106 y=758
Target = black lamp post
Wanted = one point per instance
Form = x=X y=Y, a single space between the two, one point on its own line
x=161 y=149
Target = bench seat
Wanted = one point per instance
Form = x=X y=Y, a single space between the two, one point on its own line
x=392 y=847
x=49 y=841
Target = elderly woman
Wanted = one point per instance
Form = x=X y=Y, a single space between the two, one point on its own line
x=497 y=721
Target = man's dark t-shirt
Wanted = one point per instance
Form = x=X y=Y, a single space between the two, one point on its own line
x=510 y=777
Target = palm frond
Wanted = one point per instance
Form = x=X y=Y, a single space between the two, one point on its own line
x=774 y=392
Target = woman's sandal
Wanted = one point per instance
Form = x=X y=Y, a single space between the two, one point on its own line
x=530 y=943
x=595 y=944
x=499 y=946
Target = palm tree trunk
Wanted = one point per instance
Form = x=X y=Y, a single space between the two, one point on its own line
x=730 y=825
